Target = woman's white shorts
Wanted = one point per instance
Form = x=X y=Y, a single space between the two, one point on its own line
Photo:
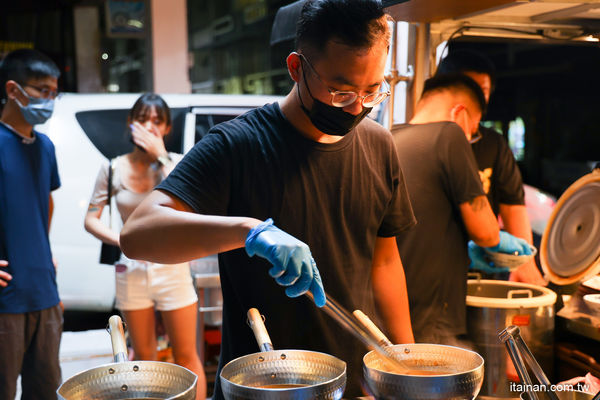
x=141 y=284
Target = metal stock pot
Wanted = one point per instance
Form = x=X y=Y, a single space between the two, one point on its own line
x=491 y=306
x=150 y=380
x=282 y=374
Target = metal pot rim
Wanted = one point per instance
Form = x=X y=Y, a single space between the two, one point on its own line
x=416 y=345
x=275 y=352
x=122 y=368
x=331 y=388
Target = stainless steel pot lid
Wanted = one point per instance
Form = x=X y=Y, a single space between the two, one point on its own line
x=570 y=248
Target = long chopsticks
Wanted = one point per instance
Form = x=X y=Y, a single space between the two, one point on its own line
x=354 y=326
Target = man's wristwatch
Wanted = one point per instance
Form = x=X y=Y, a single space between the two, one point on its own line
x=164 y=159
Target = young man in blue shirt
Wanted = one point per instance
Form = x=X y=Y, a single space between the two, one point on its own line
x=30 y=312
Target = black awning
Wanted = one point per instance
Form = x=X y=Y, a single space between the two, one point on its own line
x=284 y=25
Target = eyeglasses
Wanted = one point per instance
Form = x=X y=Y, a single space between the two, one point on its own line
x=340 y=98
x=476 y=137
x=45 y=92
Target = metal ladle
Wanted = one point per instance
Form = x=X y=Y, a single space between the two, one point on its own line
x=356 y=327
x=511 y=337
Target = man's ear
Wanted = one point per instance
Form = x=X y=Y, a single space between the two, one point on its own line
x=294 y=66
x=454 y=111
x=12 y=89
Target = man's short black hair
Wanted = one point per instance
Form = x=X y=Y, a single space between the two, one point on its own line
x=463 y=60
x=356 y=23
x=23 y=65
x=455 y=82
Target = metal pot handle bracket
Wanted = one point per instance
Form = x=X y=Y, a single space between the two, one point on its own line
x=474 y=275
x=512 y=293
x=511 y=337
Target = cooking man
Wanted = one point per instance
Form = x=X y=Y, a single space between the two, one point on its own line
x=329 y=179
x=449 y=204
x=497 y=167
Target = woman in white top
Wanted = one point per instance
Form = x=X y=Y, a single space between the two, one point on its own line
x=143 y=286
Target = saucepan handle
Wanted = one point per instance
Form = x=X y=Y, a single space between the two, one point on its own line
x=256 y=322
x=372 y=328
x=117 y=338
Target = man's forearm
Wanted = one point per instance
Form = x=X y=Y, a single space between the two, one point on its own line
x=162 y=231
x=515 y=221
x=389 y=286
x=391 y=296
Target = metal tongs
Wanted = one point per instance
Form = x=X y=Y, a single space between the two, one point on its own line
x=511 y=337
x=366 y=331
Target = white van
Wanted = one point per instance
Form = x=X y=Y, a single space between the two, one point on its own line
x=86 y=130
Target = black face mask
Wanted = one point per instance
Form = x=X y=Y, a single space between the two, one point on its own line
x=329 y=119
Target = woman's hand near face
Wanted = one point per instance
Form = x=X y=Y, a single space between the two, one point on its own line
x=149 y=138
x=5 y=277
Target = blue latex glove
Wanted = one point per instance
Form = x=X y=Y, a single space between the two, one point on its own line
x=479 y=262
x=293 y=265
x=511 y=245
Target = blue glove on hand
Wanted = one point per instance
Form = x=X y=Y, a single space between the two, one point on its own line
x=293 y=265
x=511 y=245
x=479 y=262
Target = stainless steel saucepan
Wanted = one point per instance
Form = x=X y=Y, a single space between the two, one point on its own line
x=150 y=380
x=435 y=371
x=438 y=372
x=282 y=374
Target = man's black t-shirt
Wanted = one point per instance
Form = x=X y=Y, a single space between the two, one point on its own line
x=498 y=170
x=335 y=197
x=441 y=174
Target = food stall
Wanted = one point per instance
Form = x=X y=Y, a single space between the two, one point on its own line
x=570 y=248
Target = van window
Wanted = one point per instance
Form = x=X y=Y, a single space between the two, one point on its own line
x=108 y=131
x=206 y=121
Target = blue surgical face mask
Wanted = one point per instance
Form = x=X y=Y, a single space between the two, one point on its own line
x=38 y=110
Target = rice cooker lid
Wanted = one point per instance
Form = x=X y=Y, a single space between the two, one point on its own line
x=570 y=248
